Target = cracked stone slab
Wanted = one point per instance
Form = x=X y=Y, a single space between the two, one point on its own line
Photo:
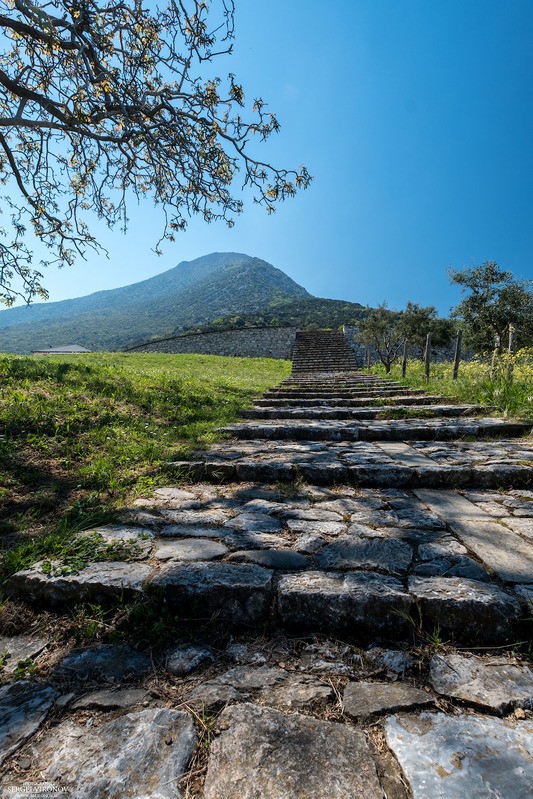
x=351 y=552
x=284 y=559
x=269 y=685
x=265 y=753
x=98 y=582
x=491 y=682
x=468 y=608
x=19 y=647
x=353 y=601
x=445 y=757
x=365 y=698
x=189 y=549
x=140 y=537
x=112 y=699
x=240 y=593
x=138 y=754
x=183 y=660
x=107 y=662
x=24 y=706
x=503 y=550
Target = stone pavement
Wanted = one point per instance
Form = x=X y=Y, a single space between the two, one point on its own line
x=363 y=531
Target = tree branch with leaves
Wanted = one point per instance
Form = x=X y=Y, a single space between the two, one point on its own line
x=102 y=102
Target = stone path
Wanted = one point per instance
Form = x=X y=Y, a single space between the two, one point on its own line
x=343 y=508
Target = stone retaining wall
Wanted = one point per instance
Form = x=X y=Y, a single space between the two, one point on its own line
x=263 y=342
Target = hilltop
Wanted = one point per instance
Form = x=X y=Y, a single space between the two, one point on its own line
x=194 y=292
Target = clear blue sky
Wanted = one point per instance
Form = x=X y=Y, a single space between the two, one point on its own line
x=416 y=120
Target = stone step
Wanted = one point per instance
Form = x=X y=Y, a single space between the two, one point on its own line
x=353 y=562
x=377 y=430
x=340 y=471
x=334 y=392
x=358 y=402
x=382 y=411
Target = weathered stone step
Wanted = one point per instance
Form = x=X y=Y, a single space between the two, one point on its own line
x=354 y=402
x=396 y=430
x=342 y=471
x=350 y=561
x=328 y=412
x=348 y=393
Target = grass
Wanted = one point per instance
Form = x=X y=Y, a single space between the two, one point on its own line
x=479 y=382
x=81 y=436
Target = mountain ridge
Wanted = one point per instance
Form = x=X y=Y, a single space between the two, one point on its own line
x=193 y=292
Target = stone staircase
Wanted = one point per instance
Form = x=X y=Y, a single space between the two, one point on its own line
x=321 y=351
x=329 y=555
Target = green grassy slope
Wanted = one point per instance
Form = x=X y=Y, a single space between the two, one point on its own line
x=82 y=435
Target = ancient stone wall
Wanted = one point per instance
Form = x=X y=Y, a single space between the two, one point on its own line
x=264 y=342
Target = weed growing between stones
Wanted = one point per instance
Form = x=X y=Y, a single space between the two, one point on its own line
x=429 y=639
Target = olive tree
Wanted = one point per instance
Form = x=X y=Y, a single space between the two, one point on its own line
x=492 y=301
x=102 y=101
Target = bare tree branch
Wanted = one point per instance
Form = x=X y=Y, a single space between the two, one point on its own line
x=103 y=100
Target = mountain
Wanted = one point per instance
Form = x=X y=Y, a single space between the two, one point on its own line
x=194 y=292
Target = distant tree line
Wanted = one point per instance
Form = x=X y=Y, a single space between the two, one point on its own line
x=495 y=309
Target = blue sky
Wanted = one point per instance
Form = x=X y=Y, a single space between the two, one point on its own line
x=415 y=118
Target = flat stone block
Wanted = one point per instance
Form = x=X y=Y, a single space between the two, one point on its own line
x=107 y=662
x=24 y=706
x=239 y=593
x=189 y=549
x=264 y=471
x=182 y=660
x=111 y=700
x=141 y=754
x=366 y=698
x=283 y=559
x=19 y=647
x=98 y=582
x=351 y=552
x=491 y=682
x=469 y=609
x=352 y=602
x=264 y=753
x=446 y=757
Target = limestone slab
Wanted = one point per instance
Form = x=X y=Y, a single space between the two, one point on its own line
x=264 y=753
x=505 y=552
x=492 y=682
x=352 y=552
x=240 y=593
x=98 y=582
x=107 y=662
x=446 y=757
x=110 y=699
x=284 y=559
x=468 y=608
x=353 y=601
x=24 y=706
x=19 y=647
x=189 y=549
x=182 y=660
x=365 y=698
x=140 y=754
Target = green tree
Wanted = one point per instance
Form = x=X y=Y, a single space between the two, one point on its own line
x=380 y=330
x=493 y=300
x=417 y=321
x=103 y=101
